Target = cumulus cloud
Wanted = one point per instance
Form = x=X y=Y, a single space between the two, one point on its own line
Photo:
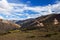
x=16 y=11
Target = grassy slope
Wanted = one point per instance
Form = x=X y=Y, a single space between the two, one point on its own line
x=31 y=35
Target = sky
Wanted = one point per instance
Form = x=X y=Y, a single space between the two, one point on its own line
x=25 y=9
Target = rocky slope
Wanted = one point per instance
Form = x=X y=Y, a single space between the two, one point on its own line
x=5 y=26
x=47 y=22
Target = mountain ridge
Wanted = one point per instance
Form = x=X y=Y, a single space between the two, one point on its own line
x=42 y=22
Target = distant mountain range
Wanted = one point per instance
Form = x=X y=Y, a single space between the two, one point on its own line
x=44 y=22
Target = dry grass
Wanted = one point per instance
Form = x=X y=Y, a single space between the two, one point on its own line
x=31 y=35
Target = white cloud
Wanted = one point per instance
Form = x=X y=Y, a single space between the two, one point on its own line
x=11 y=10
x=1 y=17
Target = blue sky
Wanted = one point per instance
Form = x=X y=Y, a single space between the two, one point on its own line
x=34 y=2
x=40 y=2
x=25 y=9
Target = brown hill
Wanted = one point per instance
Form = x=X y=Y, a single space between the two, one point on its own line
x=47 y=22
x=5 y=26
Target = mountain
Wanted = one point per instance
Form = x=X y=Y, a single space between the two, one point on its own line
x=45 y=28
x=13 y=21
x=21 y=22
x=6 y=25
x=47 y=22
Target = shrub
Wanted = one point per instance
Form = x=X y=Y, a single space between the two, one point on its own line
x=31 y=37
